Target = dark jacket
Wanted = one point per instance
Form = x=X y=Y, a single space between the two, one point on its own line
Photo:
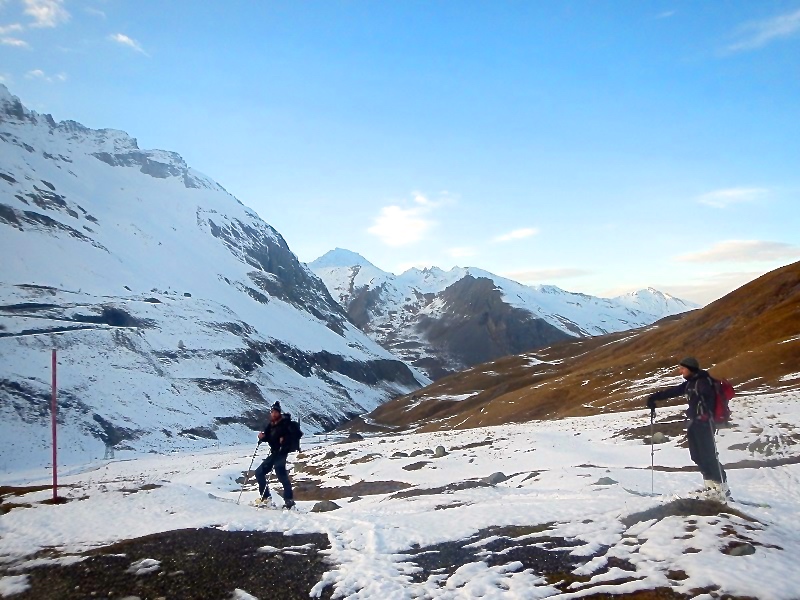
x=277 y=436
x=699 y=392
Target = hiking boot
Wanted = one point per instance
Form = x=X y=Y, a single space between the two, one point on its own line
x=288 y=504
x=265 y=502
x=719 y=491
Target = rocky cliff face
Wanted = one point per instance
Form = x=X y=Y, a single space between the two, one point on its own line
x=178 y=314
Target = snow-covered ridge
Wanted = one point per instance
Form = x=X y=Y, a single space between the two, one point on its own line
x=141 y=264
x=394 y=308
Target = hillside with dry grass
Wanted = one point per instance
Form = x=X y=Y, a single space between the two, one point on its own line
x=751 y=337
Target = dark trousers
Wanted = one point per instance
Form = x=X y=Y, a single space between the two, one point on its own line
x=703 y=450
x=277 y=462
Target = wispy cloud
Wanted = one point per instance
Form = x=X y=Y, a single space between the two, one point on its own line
x=726 y=197
x=16 y=42
x=760 y=33
x=41 y=75
x=666 y=14
x=743 y=251
x=46 y=13
x=124 y=40
x=517 y=234
x=401 y=226
x=14 y=27
x=546 y=275
x=95 y=12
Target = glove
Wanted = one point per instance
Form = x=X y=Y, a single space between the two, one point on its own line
x=651 y=403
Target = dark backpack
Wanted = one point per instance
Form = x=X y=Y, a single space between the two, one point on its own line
x=295 y=433
x=723 y=392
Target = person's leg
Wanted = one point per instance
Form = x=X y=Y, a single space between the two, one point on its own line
x=261 y=476
x=703 y=451
x=283 y=477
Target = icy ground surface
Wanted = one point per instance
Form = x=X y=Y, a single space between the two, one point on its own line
x=567 y=477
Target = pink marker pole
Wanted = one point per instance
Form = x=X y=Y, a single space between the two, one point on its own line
x=53 y=421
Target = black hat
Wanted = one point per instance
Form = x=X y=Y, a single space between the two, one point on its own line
x=276 y=406
x=690 y=362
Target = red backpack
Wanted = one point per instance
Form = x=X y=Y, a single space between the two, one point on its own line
x=723 y=392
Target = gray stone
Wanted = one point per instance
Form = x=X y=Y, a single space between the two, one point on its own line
x=495 y=478
x=399 y=455
x=329 y=455
x=325 y=506
x=355 y=436
x=659 y=438
x=440 y=452
x=605 y=481
x=743 y=550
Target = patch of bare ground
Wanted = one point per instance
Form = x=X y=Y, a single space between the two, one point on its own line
x=551 y=556
x=310 y=489
x=191 y=564
x=685 y=507
x=7 y=492
x=447 y=489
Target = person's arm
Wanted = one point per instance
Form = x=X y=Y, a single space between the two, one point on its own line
x=284 y=436
x=670 y=392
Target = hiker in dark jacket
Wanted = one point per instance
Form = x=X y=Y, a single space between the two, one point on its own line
x=699 y=391
x=276 y=434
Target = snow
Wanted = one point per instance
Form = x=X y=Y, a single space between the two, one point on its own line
x=13 y=584
x=554 y=471
x=122 y=239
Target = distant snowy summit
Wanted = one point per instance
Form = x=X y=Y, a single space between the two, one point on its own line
x=445 y=321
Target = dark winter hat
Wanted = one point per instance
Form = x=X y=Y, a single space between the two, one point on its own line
x=690 y=362
x=276 y=406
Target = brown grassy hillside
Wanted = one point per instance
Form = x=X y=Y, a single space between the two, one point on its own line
x=751 y=336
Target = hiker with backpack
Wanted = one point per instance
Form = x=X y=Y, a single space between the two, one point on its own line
x=277 y=434
x=701 y=395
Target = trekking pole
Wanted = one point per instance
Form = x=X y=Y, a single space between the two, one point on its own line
x=652 y=453
x=266 y=485
x=247 y=475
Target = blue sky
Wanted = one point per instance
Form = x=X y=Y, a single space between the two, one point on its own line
x=598 y=146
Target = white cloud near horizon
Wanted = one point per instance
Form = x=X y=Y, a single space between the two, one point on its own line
x=760 y=33
x=401 y=226
x=15 y=42
x=725 y=197
x=743 y=251
x=545 y=275
x=124 y=40
x=46 y=13
x=517 y=234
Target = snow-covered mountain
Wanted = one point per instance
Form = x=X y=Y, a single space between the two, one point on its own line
x=178 y=314
x=445 y=321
